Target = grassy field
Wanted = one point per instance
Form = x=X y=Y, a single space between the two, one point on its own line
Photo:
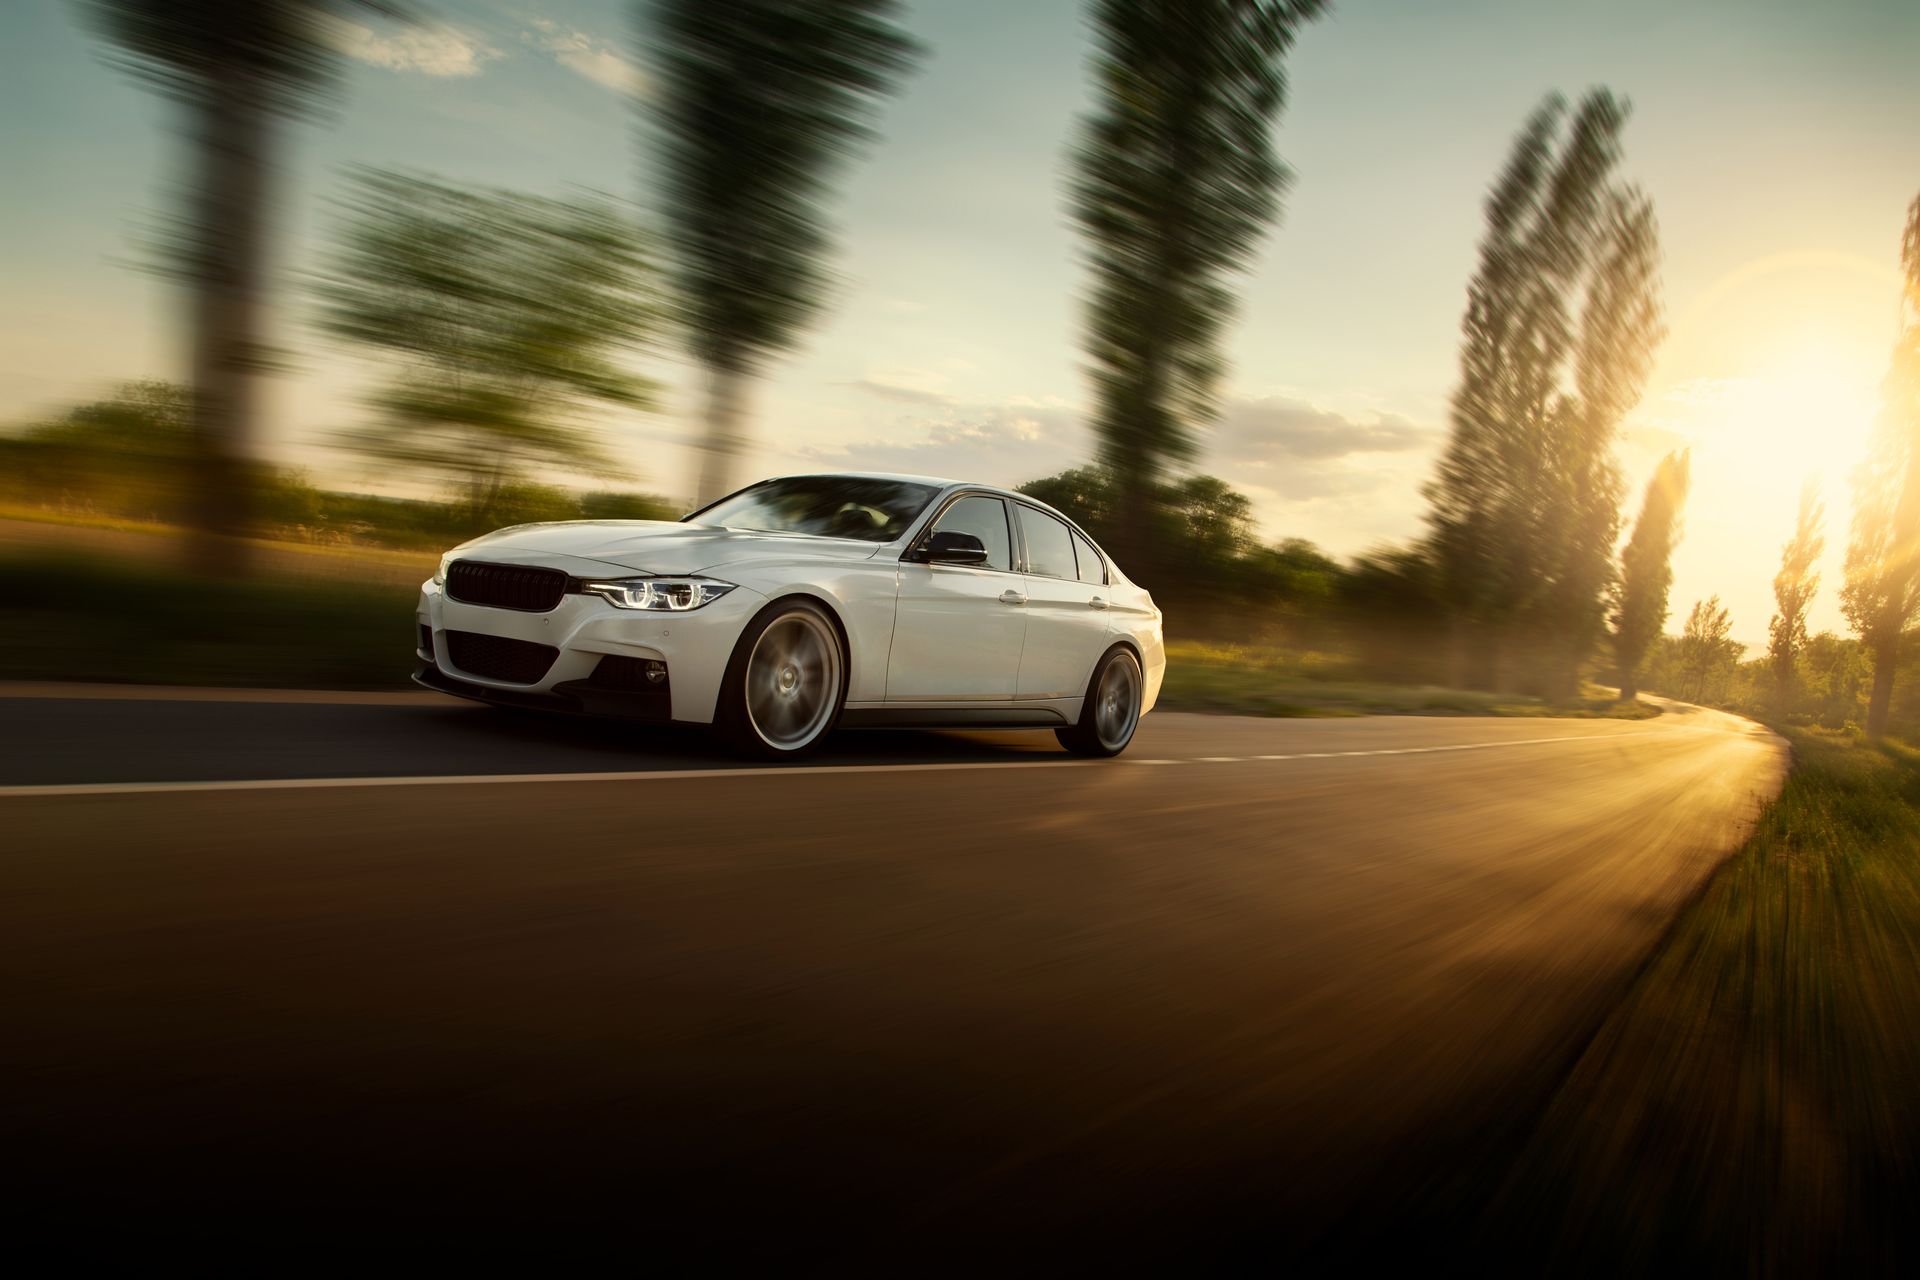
x=1753 y=1106
x=1252 y=680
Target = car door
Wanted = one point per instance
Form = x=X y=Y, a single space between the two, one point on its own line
x=958 y=629
x=1067 y=627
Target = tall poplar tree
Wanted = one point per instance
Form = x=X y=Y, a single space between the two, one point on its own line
x=1882 y=591
x=762 y=105
x=1646 y=571
x=1793 y=590
x=1175 y=181
x=1524 y=506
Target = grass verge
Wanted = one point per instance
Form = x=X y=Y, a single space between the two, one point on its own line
x=1753 y=1106
x=77 y=617
x=1252 y=681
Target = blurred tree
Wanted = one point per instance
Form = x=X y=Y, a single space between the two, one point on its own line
x=1174 y=182
x=762 y=103
x=1882 y=590
x=1525 y=505
x=1392 y=614
x=234 y=66
x=1706 y=653
x=1793 y=589
x=1646 y=570
x=505 y=318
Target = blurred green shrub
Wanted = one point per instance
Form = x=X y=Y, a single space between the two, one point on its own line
x=127 y=458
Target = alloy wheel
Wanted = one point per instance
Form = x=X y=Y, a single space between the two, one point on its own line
x=793 y=680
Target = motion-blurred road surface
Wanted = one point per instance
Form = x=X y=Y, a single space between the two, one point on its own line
x=344 y=969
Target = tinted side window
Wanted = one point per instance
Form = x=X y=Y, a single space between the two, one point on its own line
x=986 y=519
x=1091 y=570
x=1049 y=544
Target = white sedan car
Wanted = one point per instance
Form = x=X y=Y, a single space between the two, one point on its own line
x=801 y=604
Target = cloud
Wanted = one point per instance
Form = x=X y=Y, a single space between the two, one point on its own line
x=1278 y=428
x=1296 y=454
x=432 y=50
x=901 y=389
x=1002 y=444
x=597 y=60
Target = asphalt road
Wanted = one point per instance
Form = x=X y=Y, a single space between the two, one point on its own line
x=345 y=970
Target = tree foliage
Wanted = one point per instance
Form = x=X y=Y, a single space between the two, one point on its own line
x=1524 y=508
x=1882 y=590
x=283 y=52
x=1646 y=569
x=1175 y=180
x=1793 y=590
x=1706 y=652
x=762 y=105
x=503 y=319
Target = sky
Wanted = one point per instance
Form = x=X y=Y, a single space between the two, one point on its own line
x=1776 y=140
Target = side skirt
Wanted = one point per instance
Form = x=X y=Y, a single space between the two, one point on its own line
x=951 y=718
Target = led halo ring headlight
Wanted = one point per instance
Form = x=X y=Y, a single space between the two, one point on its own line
x=657 y=595
x=440 y=572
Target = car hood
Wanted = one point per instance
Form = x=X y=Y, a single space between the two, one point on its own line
x=661 y=546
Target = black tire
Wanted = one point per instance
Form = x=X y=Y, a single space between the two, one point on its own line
x=1111 y=710
x=785 y=684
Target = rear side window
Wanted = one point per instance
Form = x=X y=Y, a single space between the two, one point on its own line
x=1091 y=570
x=986 y=519
x=1049 y=544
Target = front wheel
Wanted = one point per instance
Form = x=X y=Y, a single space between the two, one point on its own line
x=1111 y=711
x=785 y=685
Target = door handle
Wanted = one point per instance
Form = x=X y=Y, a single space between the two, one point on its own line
x=1010 y=596
x=1096 y=603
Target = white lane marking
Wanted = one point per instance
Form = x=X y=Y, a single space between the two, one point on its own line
x=681 y=775
x=500 y=779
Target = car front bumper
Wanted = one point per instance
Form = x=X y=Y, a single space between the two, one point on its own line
x=694 y=646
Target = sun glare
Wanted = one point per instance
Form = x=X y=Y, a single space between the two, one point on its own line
x=1807 y=411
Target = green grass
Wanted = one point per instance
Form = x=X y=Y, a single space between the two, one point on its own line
x=76 y=617
x=1754 y=1104
x=1256 y=681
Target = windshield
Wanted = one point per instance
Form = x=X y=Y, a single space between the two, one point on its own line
x=828 y=506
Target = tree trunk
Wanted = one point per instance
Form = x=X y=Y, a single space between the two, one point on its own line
x=233 y=137
x=725 y=440
x=1886 y=655
x=1629 y=684
x=1134 y=524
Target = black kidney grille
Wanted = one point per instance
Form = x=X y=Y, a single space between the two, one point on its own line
x=498 y=658
x=506 y=586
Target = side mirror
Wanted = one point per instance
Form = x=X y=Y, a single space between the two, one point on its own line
x=948 y=547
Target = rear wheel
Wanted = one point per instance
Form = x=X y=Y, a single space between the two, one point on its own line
x=785 y=684
x=1111 y=711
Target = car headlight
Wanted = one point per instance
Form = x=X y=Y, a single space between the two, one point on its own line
x=440 y=572
x=663 y=595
